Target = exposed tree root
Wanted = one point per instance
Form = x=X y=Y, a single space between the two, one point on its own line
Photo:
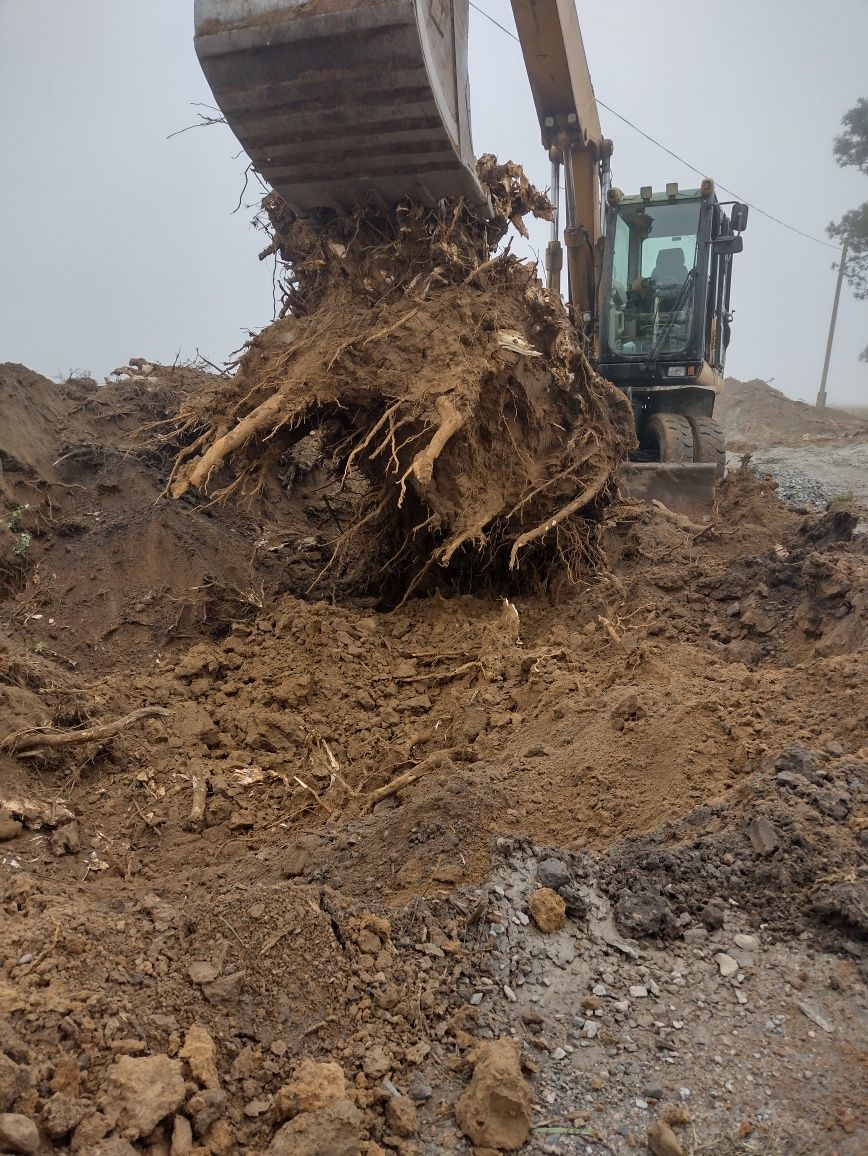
x=445 y=382
x=38 y=741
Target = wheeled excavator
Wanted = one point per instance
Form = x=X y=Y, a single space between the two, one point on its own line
x=340 y=102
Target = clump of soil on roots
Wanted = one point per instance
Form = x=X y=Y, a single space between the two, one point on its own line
x=444 y=385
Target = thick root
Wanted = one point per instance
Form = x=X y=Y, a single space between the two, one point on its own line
x=447 y=390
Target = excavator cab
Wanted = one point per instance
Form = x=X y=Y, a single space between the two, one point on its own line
x=664 y=315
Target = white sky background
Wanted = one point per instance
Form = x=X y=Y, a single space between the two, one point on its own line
x=116 y=241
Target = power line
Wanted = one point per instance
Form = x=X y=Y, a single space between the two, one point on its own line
x=680 y=159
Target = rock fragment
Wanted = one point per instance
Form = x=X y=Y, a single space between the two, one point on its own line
x=62 y=1114
x=17 y=1133
x=66 y=840
x=547 y=909
x=815 y=1014
x=200 y=1052
x=140 y=1092
x=712 y=916
x=331 y=1131
x=14 y=1082
x=10 y=828
x=377 y=1063
x=112 y=1146
x=182 y=1137
x=763 y=837
x=844 y=900
x=495 y=1109
x=726 y=964
x=662 y=1140
x=401 y=1116
x=294 y=862
x=205 y=1108
x=553 y=873
x=315 y=1085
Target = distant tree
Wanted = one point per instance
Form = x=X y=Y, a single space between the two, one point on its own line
x=851 y=148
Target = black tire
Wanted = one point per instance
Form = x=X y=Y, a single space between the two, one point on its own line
x=709 y=443
x=669 y=437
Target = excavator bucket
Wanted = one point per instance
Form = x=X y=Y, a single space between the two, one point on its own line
x=685 y=487
x=340 y=102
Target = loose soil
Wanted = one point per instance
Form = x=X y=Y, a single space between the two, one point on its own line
x=755 y=415
x=323 y=841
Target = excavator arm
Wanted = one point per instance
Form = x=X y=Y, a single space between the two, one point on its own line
x=560 y=81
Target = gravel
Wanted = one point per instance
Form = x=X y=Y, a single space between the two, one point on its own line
x=813 y=475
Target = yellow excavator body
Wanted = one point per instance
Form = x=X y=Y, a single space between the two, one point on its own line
x=341 y=102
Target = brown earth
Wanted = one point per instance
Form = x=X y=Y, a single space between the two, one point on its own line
x=291 y=860
x=754 y=414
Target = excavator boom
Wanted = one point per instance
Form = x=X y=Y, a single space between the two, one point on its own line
x=338 y=102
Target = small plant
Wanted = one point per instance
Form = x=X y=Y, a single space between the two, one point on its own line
x=842 y=501
x=22 y=545
x=15 y=519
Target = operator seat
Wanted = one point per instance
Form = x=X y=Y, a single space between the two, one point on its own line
x=670 y=271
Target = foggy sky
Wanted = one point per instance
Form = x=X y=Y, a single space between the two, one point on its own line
x=116 y=241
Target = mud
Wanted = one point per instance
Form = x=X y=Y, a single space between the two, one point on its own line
x=315 y=855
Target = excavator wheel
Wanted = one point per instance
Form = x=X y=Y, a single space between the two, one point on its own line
x=669 y=436
x=709 y=443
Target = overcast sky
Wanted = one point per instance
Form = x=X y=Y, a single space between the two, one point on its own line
x=116 y=241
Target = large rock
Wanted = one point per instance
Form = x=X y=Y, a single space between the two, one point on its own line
x=553 y=873
x=644 y=913
x=547 y=909
x=139 y=1092
x=17 y=1133
x=331 y=1131
x=494 y=1111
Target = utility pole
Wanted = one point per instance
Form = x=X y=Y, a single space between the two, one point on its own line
x=821 y=396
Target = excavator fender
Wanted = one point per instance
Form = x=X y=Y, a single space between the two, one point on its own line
x=340 y=102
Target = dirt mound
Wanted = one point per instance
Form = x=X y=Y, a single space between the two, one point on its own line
x=753 y=415
x=242 y=830
x=444 y=376
x=786 y=846
x=132 y=572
